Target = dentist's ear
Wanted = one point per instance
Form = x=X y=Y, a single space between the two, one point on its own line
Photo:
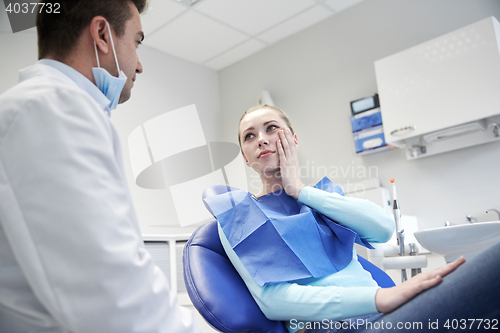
x=100 y=34
x=296 y=140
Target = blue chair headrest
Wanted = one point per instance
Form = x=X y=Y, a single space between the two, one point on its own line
x=216 y=190
x=217 y=290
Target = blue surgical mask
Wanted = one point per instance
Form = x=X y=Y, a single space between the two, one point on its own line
x=110 y=85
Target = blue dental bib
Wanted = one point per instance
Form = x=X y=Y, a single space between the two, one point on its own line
x=280 y=239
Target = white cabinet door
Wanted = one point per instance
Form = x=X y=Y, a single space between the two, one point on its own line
x=450 y=80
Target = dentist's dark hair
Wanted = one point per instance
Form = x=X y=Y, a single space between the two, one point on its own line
x=59 y=31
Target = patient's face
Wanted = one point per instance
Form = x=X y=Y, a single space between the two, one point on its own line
x=258 y=137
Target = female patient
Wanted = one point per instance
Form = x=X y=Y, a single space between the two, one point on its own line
x=322 y=280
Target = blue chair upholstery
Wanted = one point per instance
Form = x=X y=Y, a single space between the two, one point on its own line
x=381 y=277
x=217 y=290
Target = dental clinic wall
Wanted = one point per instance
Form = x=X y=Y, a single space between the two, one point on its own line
x=313 y=76
x=166 y=84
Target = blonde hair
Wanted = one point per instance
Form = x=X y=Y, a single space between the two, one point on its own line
x=260 y=107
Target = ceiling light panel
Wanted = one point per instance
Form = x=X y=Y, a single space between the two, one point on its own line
x=159 y=13
x=188 y=2
x=235 y=54
x=296 y=24
x=340 y=5
x=253 y=16
x=195 y=37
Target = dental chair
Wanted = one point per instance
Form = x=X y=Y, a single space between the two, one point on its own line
x=217 y=290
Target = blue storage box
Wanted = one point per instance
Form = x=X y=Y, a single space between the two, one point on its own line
x=369 y=139
x=366 y=120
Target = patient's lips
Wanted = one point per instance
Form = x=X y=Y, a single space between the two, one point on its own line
x=265 y=153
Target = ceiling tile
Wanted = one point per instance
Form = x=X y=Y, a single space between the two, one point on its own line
x=252 y=16
x=159 y=12
x=340 y=5
x=296 y=24
x=236 y=54
x=194 y=37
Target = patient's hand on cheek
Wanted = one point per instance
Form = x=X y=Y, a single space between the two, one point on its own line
x=289 y=163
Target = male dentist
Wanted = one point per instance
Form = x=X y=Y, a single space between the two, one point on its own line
x=71 y=254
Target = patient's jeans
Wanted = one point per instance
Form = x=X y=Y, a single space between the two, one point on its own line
x=466 y=300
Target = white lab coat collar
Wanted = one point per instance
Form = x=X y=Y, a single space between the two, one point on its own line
x=74 y=77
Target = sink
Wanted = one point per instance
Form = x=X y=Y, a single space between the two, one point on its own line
x=464 y=239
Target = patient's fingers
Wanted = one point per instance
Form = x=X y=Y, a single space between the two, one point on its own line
x=389 y=299
x=289 y=164
x=448 y=268
x=284 y=142
x=288 y=142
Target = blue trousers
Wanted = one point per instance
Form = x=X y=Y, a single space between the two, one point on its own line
x=467 y=299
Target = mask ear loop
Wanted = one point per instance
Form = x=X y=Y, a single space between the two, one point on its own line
x=96 y=55
x=113 y=45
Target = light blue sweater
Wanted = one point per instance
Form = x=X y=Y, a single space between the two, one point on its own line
x=348 y=293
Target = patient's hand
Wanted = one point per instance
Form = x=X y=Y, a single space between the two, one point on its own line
x=389 y=299
x=289 y=163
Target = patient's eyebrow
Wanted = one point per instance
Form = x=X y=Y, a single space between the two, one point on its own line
x=266 y=123
x=270 y=121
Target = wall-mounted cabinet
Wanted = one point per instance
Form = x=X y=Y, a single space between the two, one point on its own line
x=443 y=94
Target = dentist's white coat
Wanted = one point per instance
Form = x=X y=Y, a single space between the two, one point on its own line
x=71 y=254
